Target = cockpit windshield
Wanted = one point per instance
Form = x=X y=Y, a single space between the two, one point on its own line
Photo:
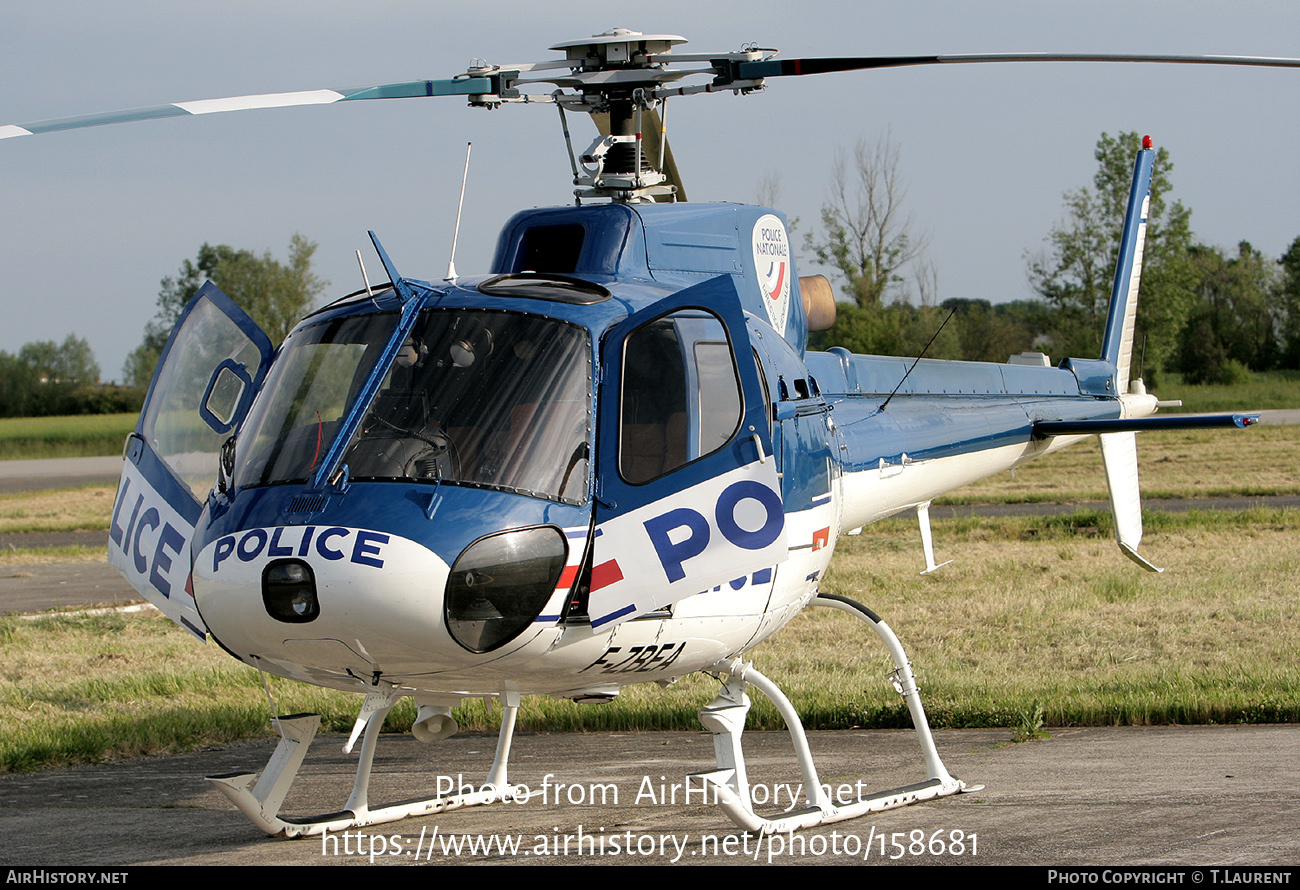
x=318 y=374
x=473 y=397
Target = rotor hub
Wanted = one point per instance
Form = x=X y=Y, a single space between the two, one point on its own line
x=618 y=48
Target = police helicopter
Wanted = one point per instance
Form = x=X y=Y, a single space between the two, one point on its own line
x=611 y=460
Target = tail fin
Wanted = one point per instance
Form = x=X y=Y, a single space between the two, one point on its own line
x=1117 y=346
x=1119 y=450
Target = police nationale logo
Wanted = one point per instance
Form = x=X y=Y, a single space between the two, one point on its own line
x=772 y=262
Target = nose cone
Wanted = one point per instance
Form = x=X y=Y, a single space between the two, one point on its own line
x=316 y=602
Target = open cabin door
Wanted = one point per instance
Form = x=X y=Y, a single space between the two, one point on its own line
x=688 y=494
x=209 y=371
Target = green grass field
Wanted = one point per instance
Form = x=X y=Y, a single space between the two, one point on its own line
x=90 y=435
x=1268 y=389
x=1031 y=614
x=1036 y=619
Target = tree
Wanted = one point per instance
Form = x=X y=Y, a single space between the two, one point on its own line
x=1289 y=299
x=71 y=363
x=1235 y=322
x=16 y=384
x=274 y=295
x=1076 y=272
x=990 y=333
x=866 y=237
x=47 y=378
x=866 y=241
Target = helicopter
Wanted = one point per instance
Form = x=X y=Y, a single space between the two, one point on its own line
x=611 y=460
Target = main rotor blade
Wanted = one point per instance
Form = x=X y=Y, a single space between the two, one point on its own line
x=795 y=67
x=463 y=86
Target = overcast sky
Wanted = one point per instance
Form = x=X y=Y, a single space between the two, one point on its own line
x=96 y=217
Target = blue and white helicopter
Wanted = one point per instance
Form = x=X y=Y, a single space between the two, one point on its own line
x=610 y=461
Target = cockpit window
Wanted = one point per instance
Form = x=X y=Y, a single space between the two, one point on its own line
x=317 y=375
x=495 y=399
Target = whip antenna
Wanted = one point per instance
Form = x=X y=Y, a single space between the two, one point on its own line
x=451 y=263
x=364 y=277
x=916 y=360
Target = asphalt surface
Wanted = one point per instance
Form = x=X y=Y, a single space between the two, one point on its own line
x=63 y=472
x=1124 y=796
x=1155 y=796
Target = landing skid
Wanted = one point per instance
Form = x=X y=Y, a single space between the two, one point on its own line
x=260 y=798
x=725 y=718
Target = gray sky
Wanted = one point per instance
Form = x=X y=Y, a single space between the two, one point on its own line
x=94 y=218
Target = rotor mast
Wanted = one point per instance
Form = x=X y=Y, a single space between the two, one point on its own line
x=618 y=74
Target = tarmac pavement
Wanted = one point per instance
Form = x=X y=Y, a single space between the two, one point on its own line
x=1153 y=796
x=58 y=472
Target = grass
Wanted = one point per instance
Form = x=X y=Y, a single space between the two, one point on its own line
x=1266 y=389
x=90 y=435
x=1036 y=623
x=1173 y=464
x=1256 y=462
x=1030 y=727
x=77 y=509
x=27 y=556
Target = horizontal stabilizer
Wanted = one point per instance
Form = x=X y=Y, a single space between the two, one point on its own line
x=1045 y=428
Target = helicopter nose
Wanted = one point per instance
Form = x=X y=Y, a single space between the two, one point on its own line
x=327 y=598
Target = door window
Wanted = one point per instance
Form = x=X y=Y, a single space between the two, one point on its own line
x=680 y=397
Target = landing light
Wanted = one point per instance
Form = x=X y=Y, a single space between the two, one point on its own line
x=500 y=584
x=289 y=591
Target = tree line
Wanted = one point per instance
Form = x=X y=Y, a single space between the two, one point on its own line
x=47 y=378
x=1209 y=313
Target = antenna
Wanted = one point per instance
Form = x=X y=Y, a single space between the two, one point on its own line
x=364 y=277
x=917 y=359
x=451 y=263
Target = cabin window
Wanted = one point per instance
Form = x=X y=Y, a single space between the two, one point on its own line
x=488 y=399
x=680 y=397
x=550 y=249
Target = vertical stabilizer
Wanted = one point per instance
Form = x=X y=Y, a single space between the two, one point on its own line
x=1119 y=455
x=1117 y=346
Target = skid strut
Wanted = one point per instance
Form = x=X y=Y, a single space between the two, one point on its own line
x=260 y=798
x=725 y=718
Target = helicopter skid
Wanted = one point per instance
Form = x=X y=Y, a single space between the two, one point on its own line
x=745 y=817
x=725 y=718
x=316 y=825
x=260 y=798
